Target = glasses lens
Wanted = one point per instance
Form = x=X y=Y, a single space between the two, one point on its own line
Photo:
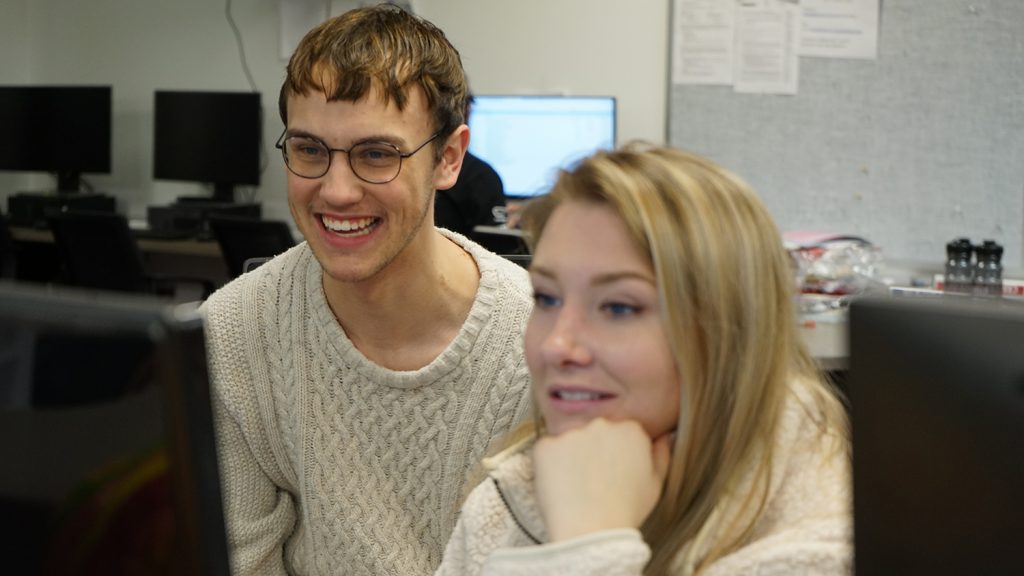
x=375 y=161
x=306 y=157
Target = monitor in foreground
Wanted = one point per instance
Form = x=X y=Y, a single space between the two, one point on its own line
x=937 y=413
x=106 y=438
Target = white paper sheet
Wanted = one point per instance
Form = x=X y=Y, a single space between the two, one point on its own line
x=840 y=28
x=767 y=37
x=703 y=42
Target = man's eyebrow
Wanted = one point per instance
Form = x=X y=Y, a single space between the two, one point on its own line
x=385 y=138
x=296 y=132
x=290 y=133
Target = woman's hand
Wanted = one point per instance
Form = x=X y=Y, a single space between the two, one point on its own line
x=600 y=476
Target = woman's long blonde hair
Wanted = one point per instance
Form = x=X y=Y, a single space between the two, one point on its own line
x=726 y=291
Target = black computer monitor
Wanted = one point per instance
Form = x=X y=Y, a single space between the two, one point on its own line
x=209 y=137
x=64 y=130
x=106 y=437
x=528 y=139
x=937 y=412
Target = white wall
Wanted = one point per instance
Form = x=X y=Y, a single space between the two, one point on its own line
x=14 y=69
x=522 y=46
x=579 y=47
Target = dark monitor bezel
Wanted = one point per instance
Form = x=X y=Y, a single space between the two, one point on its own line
x=936 y=388
x=206 y=136
x=61 y=129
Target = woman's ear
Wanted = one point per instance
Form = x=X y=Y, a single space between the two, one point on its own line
x=447 y=170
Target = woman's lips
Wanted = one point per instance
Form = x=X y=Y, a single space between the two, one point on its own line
x=577 y=399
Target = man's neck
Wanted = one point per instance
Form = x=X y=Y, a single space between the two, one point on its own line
x=409 y=312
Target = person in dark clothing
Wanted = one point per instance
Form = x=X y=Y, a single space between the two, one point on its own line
x=474 y=197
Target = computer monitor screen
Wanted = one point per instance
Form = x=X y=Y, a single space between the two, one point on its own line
x=527 y=139
x=60 y=129
x=209 y=137
x=106 y=438
x=937 y=412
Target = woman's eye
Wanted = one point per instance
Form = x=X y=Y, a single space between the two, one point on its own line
x=620 y=309
x=542 y=300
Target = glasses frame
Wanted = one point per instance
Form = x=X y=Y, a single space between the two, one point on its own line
x=280 y=145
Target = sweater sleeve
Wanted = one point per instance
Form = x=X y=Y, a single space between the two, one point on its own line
x=487 y=540
x=819 y=548
x=609 y=553
x=259 y=514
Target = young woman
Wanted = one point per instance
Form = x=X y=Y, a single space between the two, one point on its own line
x=681 y=427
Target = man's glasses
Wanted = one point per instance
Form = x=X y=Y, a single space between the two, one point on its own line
x=372 y=162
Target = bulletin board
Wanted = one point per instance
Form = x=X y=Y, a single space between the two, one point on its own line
x=922 y=145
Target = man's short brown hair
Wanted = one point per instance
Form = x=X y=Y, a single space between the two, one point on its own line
x=385 y=46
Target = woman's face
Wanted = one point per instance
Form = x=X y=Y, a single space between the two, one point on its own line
x=595 y=344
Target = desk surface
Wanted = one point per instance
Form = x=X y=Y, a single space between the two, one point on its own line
x=185 y=247
x=827 y=341
x=499 y=230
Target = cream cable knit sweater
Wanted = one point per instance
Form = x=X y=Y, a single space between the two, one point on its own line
x=332 y=464
x=805 y=529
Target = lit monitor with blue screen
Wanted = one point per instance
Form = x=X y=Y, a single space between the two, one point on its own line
x=528 y=139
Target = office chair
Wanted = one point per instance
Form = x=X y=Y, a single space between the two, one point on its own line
x=243 y=239
x=8 y=251
x=97 y=250
x=254 y=263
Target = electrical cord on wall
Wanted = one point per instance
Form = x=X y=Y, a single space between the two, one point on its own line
x=252 y=84
x=241 y=47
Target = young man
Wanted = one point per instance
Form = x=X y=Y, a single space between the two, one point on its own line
x=361 y=376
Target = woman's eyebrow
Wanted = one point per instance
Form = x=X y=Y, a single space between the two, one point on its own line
x=600 y=279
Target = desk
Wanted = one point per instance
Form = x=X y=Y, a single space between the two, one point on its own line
x=186 y=257
x=827 y=341
x=187 y=247
x=500 y=240
x=498 y=230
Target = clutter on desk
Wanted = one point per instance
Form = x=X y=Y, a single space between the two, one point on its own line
x=833 y=264
x=830 y=269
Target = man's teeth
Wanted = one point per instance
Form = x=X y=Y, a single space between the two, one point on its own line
x=578 y=395
x=357 y=225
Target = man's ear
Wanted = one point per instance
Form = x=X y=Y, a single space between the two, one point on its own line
x=447 y=170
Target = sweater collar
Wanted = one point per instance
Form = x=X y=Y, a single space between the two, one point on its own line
x=485 y=301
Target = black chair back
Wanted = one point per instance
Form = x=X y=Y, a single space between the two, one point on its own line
x=242 y=239
x=97 y=250
x=8 y=251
